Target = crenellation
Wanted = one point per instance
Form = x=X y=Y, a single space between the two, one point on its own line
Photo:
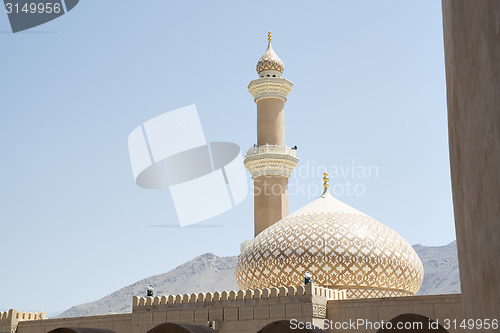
x=202 y=298
x=242 y=305
x=135 y=302
x=9 y=320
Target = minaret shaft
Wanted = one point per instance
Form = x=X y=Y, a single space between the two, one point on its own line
x=271 y=122
x=270 y=192
x=270 y=201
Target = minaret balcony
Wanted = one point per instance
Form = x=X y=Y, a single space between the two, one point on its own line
x=270 y=87
x=271 y=160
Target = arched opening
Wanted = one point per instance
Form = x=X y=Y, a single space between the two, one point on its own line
x=411 y=322
x=80 y=330
x=180 y=328
x=285 y=326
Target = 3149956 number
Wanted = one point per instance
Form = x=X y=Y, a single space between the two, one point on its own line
x=32 y=8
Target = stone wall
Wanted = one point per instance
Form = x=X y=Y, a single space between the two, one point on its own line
x=472 y=58
x=9 y=319
x=247 y=311
x=120 y=323
x=242 y=311
x=436 y=307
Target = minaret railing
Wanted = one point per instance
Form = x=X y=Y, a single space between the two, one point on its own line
x=271 y=149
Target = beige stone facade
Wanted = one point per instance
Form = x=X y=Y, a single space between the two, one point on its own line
x=270 y=201
x=10 y=319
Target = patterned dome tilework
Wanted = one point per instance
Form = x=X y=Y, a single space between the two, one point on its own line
x=270 y=61
x=341 y=250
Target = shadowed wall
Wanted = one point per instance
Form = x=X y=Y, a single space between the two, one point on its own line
x=472 y=57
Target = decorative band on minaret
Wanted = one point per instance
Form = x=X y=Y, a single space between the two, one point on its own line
x=270 y=162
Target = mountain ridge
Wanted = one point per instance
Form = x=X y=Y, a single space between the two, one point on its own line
x=209 y=272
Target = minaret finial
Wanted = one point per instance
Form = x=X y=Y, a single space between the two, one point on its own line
x=269 y=36
x=326 y=185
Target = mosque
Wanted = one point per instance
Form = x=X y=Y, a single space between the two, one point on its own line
x=325 y=268
x=340 y=246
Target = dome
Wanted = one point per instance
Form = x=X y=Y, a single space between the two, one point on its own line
x=342 y=247
x=270 y=62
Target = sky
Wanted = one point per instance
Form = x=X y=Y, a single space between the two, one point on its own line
x=368 y=104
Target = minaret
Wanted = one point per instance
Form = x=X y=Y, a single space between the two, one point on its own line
x=270 y=162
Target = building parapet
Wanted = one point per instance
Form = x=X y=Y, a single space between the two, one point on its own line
x=13 y=314
x=233 y=295
x=10 y=319
x=306 y=302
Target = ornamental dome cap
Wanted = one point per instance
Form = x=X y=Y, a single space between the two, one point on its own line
x=270 y=63
x=342 y=247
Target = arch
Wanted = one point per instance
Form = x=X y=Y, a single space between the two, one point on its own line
x=180 y=328
x=415 y=323
x=283 y=326
x=80 y=330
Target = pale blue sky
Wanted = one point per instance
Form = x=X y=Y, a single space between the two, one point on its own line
x=369 y=91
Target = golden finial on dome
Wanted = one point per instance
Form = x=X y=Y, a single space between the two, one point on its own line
x=325 y=184
x=270 y=61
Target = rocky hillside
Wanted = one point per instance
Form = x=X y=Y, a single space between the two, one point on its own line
x=209 y=272
x=440 y=269
x=202 y=274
